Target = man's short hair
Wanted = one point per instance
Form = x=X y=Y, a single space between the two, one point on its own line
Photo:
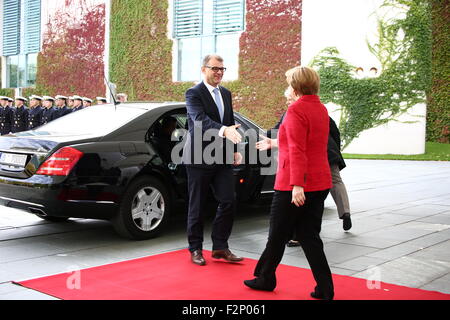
x=209 y=57
x=304 y=80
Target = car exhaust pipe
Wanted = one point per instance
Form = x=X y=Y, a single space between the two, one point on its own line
x=38 y=212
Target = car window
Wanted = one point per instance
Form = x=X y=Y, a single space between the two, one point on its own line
x=96 y=120
x=164 y=135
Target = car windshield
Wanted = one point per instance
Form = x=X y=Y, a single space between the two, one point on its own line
x=96 y=120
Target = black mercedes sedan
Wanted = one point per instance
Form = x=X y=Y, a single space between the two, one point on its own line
x=110 y=162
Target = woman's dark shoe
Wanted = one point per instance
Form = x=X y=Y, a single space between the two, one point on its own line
x=316 y=294
x=347 y=224
x=293 y=243
x=258 y=284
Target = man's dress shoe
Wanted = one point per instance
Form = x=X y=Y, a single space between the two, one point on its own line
x=197 y=258
x=226 y=255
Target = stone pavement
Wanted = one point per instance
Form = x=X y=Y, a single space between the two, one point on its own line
x=400 y=234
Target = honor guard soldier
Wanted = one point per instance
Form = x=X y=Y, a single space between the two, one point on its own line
x=77 y=103
x=49 y=112
x=61 y=106
x=70 y=103
x=101 y=100
x=11 y=103
x=5 y=116
x=87 y=102
x=35 y=114
x=20 y=116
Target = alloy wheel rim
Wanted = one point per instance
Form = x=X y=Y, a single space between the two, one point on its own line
x=147 y=209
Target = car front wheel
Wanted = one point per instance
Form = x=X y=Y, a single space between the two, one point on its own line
x=144 y=210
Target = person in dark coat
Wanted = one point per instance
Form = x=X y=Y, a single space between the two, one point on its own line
x=61 y=106
x=20 y=115
x=49 y=112
x=35 y=112
x=337 y=163
x=5 y=116
x=77 y=103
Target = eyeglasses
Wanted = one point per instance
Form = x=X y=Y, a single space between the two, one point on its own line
x=216 y=69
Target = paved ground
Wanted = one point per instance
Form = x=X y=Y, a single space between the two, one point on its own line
x=400 y=234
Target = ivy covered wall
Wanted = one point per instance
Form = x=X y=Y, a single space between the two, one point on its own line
x=72 y=57
x=438 y=126
x=141 y=54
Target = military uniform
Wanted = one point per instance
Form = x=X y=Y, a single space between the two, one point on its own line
x=5 y=120
x=62 y=111
x=48 y=113
x=5 y=116
x=20 y=117
x=79 y=107
x=34 y=115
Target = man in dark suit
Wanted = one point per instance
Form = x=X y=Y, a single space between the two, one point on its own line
x=210 y=113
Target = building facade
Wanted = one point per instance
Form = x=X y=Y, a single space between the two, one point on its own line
x=152 y=49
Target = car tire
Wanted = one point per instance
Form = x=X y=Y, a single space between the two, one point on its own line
x=144 y=210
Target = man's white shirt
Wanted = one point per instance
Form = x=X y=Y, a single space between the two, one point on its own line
x=211 y=91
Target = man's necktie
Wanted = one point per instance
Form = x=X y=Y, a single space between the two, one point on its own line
x=219 y=103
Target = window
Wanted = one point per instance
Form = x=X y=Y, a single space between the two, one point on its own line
x=201 y=27
x=21 y=41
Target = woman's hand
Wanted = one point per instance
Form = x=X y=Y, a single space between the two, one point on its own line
x=266 y=143
x=298 y=196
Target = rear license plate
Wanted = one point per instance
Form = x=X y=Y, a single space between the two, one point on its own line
x=11 y=159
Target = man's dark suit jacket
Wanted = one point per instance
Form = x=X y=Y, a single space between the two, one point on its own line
x=201 y=108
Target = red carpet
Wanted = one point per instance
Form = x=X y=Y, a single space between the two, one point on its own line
x=171 y=276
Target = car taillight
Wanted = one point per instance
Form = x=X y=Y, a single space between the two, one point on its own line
x=61 y=162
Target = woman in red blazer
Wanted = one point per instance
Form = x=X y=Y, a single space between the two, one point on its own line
x=301 y=186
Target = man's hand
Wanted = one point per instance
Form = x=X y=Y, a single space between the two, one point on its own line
x=237 y=159
x=266 y=143
x=298 y=196
x=232 y=134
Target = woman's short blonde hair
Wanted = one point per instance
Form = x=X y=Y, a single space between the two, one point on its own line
x=304 y=80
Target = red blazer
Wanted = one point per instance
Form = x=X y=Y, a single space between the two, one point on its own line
x=302 y=143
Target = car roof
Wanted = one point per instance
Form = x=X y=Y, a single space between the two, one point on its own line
x=150 y=105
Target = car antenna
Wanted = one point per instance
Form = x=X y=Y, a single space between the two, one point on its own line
x=112 y=91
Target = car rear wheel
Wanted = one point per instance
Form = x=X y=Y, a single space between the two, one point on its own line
x=144 y=210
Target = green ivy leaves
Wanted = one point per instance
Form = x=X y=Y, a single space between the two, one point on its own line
x=405 y=79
